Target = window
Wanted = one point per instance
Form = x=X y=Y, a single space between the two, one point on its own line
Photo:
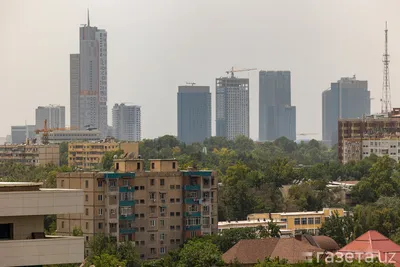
x=152 y=165
x=173 y=165
x=62 y=224
x=136 y=188
x=162 y=250
x=142 y=201
x=100 y=197
x=100 y=225
x=86 y=184
x=62 y=183
x=152 y=195
x=178 y=214
x=317 y=220
x=86 y=198
x=296 y=221
x=152 y=237
x=142 y=187
x=153 y=250
x=152 y=182
x=137 y=243
x=172 y=200
x=171 y=214
x=141 y=229
x=303 y=220
x=162 y=236
x=284 y=220
x=162 y=222
x=87 y=212
x=142 y=243
x=178 y=187
x=126 y=182
x=99 y=183
x=192 y=234
x=152 y=209
x=138 y=166
x=117 y=166
x=100 y=211
x=162 y=182
x=87 y=225
x=177 y=200
x=310 y=220
x=172 y=186
x=178 y=227
x=172 y=241
x=172 y=227
x=178 y=241
x=87 y=238
x=153 y=223
x=141 y=215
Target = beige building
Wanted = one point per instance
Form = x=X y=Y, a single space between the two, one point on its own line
x=22 y=239
x=88 y=155
x=158 y=209
x=34 y=155
x=290 y=223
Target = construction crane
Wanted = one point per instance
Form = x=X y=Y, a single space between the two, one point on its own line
x=233 y=70
x=191 y=83
x=46 y=131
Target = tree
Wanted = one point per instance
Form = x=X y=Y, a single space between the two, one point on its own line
x=340 y=229
x=77 y=231
x=126 y=251
x=198 y=253
x=107 y=260
x=107 y=162
x=64 y=154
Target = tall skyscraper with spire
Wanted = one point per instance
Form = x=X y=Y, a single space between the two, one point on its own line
x=88 y=80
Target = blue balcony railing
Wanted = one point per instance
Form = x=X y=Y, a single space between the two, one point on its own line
x=191 y=187
x=127 y=203
x=127 y=217
x=193 y=214
x=192 y=227
x=126 y=230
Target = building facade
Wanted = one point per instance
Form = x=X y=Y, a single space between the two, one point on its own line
x=55 y=116
x=158 y=209
x=88 y=81
x=232 y=107
x=277 y=117
x=126 y=121
x=23 y=207
x=88 y=155
x=57 y=137
x=348 y=98
x=30 y=155
x=19 y=134
x=194 y=113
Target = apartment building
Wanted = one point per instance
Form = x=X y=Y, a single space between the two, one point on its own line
x=290 y=223
x=158 y=209
x=22 y=238
x=33 y=155
x=88 y=155
x=353 y=132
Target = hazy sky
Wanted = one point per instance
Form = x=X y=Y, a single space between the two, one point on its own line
x=155 y=46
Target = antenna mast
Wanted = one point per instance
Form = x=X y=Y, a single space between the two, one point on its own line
x=386 y=98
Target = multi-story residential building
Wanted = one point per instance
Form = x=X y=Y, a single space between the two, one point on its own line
x=158 y=209
x=88 y=155
x=19 y=134
x=194 y=113
x=355 y=135
x=232 y=107
x=348 y=98
x=290 y=223
x=126 y=122
x=23 y=207
x=31 y=155
x=277 y=117
x=88 y=80
x=57 y=137
x=53 y=114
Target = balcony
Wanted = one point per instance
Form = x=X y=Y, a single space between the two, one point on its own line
x=41 y=202
x=127 y=203
x=46 y=251
x=192 y=227
x=191 y=187
x=125 y=189
x=115 y=175
x=191 y=201
x=126 y=230
x=197 y=173
x=127 y=217
x=193 y=214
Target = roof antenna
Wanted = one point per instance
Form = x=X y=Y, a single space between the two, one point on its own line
x=88 y=18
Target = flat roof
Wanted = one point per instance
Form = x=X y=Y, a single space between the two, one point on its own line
x=21 y=184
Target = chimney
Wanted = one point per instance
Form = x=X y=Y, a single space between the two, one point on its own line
x=298 y=236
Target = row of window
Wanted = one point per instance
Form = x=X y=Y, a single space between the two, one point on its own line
x=171 y=241
x=312 y=220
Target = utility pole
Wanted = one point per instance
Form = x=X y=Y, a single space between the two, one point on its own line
x=386 y=104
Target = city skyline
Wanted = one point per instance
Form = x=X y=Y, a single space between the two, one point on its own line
x=136 y=55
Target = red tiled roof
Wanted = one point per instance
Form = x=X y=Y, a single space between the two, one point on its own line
x=373 y=242
x=250 y=251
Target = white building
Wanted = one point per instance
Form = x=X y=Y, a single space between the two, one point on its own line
x=54 y=114
x=232 y=107
x=88 y=81
x=126 y=122
x=57 y=137
x=22 y=238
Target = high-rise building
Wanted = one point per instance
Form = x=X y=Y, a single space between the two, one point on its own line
x=277 y=117
x=88 y=80
x=232 y=107
x=30 y=154
x=347 y=98
x=194 y=113
x=19 y=134
x=159 y=209
x=126 y=122
x=55 y=116
x=24 y=207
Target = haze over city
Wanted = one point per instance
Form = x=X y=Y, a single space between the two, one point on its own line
x=155 y=46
